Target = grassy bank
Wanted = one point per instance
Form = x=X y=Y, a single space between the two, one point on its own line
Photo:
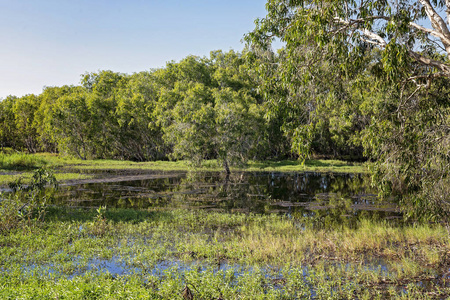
x=154 y=254
x=13 y=166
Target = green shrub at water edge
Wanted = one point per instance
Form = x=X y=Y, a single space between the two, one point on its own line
x=26 y=205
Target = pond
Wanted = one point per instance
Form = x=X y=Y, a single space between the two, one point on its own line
x=243 y=234
x=331 y=195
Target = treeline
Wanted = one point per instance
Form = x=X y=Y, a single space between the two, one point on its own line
x=198 y=108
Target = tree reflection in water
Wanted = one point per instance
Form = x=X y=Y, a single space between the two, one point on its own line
x=324 y=199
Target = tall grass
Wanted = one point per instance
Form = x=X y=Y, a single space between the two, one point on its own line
x=21 y=161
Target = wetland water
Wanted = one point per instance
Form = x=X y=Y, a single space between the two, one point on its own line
x=247 y=244
x=297 y=194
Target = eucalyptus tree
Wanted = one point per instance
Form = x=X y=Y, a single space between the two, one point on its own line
x=8 y=131
x=24 y=109
x=139 y=138
x=207 y=108
x=385 y=62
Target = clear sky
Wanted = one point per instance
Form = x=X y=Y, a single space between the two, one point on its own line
x=53 y=42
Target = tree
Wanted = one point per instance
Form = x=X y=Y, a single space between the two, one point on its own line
x=24 y=110
x=102 y=88
x=208 y=108
x=72 y=122
x=43 y=120
x=379 y=58
x=139 y=138
x=8 y=131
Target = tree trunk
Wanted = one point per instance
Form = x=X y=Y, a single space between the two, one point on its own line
x=227 y=168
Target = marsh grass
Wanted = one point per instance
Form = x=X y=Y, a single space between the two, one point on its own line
x=21 y=161
x=233 y=256
x=26 y=176
x=336 y=166
x=213 y=165
x=17 y=165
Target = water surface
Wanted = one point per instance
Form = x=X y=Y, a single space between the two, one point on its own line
x=329 y=195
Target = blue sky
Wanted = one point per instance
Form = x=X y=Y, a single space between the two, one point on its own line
x=53 y=42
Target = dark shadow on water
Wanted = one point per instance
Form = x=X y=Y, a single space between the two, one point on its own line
x=61 y=213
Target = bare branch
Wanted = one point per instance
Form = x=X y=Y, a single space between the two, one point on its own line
x=447 y=10
x=442 y=37
x=371 y=42
x=375 y=38
x=428 y=76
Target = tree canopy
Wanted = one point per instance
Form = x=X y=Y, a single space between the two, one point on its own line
x=371 y=74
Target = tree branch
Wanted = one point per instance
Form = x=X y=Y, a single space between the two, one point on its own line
x=375 y=38
x=447 y=10
x=436 y=21
x=431 y=63
x=442 y=37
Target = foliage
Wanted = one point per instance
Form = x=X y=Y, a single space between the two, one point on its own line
x=353 y=80
x=26 y=206
x=8 y=132
x=24 y=110
x=214 y=112
x=364 y=74
x=198 y=108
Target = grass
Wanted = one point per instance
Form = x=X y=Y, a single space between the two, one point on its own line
x=26 y=176
x=336 y=166
x=212 y=165
x=21 y=161
x=158 y=252
x=19 y=165
x=13 y=166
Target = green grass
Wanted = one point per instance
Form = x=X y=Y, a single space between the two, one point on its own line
x=20 y=161
x=212 y=165
x=13 y=166
x=26 y=177
x=30 y=161
x=337 y=166
x=238 y=256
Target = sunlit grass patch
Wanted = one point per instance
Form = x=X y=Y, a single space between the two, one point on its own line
x=213 y=165
x=308 y=166
x=21 y=161
x=55 y=160
x=26 y=177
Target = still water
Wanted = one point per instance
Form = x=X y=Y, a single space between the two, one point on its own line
x=340 y=196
